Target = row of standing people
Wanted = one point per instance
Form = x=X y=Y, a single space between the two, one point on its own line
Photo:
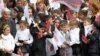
x=80 y=37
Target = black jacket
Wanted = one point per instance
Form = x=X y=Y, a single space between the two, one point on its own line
x=94 y=42
x=39 y=45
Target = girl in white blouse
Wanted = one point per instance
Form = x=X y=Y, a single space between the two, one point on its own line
x=7 y=42
x=23 y=38
x=74 y=36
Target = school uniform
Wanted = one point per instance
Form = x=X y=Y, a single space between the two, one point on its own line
x=39 y=45
x=68 y=50
x=84 y=40
x=21 y=36
x=83 y=47
x=7 y=42
x=75 y=40
x=93 y=49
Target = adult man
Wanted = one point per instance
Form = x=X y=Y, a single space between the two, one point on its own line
x=6 y=19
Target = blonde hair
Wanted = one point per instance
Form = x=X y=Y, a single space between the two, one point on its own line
x=74 y=23
x=87 y=19
x=4 y=27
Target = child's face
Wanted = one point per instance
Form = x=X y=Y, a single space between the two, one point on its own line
x=75 y=15
x=30 y=12
x=86 y=23
x=80 y=15
x=7 y=31
x=65 y=28
x=57 y=22
x=22 y=26
x=42 y=29
x=51 y=21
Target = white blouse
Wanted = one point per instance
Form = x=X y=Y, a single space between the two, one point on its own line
x=74 y=36
x=7 y=42
x=23 y=35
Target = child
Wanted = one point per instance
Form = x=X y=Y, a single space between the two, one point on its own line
x=7 y=42
x=40 y=34
x=29 y=19
x=23 y=38
x=74 y=35
x=93 y=49
x=65 y=49
x=87 y=26
x=84 y=40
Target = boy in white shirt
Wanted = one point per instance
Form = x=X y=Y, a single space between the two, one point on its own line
x=65 y=49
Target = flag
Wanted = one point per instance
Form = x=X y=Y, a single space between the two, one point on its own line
x=54 y=5
x=72 y=4
x=26 y=13
x=52 y=44
x=1 y=7
x=58 y=37
x=51 y=47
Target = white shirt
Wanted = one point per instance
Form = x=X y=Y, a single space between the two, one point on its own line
x=74 y=36
x=23 y=35
x=7 y=42
x=88 y=29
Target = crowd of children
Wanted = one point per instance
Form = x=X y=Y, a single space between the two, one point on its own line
x=28 y=29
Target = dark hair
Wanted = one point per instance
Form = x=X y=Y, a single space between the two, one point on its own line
x=63 y=23
x=16 y=9
x=47 y=17
x=42 y=25
x=83 y=13
x=97 y=25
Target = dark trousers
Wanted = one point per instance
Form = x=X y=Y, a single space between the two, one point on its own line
x=76 y=49
x=84 y=50
x=4 y=54
x=94 y=54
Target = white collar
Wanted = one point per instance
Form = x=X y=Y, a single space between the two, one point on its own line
x=6 y=36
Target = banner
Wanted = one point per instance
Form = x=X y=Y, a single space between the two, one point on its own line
x=52 y=44
x=72 y=4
